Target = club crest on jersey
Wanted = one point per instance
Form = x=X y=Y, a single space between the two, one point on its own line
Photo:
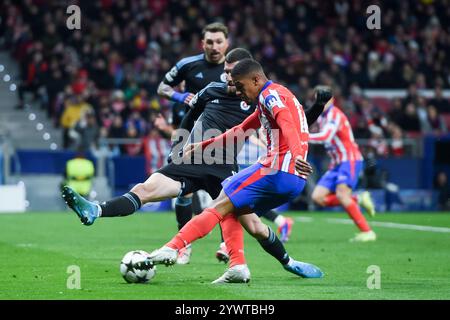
x=223 y=77
x=273 y=101
x=244 y=106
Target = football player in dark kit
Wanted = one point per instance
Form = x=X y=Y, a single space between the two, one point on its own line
x=195 y=72
x=220 y=108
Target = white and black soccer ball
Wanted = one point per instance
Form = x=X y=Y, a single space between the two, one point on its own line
x=132 y=272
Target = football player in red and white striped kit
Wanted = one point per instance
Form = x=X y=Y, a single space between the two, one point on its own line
x=337 y=184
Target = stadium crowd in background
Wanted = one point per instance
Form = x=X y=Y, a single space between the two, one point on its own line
x=111 y=68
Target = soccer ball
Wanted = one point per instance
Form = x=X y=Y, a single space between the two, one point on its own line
x=134 y=274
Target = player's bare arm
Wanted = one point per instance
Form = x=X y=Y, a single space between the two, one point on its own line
x=166 y=91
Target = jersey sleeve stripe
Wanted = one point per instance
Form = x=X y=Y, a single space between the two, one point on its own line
x=211 y=85
x=180 y=64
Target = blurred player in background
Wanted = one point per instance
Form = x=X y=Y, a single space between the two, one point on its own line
x=79 y=174
x=337 y=184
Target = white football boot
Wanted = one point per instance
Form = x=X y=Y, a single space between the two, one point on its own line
x=184 y=255
x=364 y=237
x=365 y=201
x=237 y=274
x=164 y=255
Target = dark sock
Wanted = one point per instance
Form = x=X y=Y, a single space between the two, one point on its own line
x=196 y=204
x=121 y=206
x=274 y=247
x=221 y=235
x=270 y=215
x=183 y=211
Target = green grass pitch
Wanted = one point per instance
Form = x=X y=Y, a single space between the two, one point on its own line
x=36 y=250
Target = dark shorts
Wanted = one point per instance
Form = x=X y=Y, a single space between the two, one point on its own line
x=194 y=177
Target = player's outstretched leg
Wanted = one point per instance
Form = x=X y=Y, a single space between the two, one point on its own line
x=156 y=188
x=283 y=223
x=365 y=201
x=198 y=227
x=233 y=235
x=344 y=195
x=183 y=213
x=272 y=245
x=87 y=211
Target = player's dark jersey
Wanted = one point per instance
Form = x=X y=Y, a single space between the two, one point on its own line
x=216 y=111
x=196 y=72
x=179 y=110
x=219 y=109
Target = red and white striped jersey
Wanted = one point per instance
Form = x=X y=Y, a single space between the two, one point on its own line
x=284 y=123
x=337 y=136
x=282 y=117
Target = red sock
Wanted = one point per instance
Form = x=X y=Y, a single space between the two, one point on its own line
x=197 y=228
x=233 y=236
x=355 y=213
x=332 y=201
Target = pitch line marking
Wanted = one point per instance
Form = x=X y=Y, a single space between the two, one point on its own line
x=396 y=225
x=304 y=219
x=392 y=225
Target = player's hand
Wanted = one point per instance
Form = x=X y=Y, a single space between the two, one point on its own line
x=323 y=94
x=303 y=167
x=160 y=123
x=189 y=149
x=188 y=98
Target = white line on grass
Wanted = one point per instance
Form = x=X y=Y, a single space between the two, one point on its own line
x=395 y=225
x=303 y=219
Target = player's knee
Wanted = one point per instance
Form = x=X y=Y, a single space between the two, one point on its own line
x=318 y=198
x=343 y=196
x=143 y=190
x=259 y=230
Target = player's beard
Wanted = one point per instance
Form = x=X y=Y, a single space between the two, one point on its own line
x=215 y=57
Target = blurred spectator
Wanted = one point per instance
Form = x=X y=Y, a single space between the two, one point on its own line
x=396 y=142
x=86 y=131
x=75 y=106
x=435 y=123
x=410 y=120
x=442 y=187
x=125 y=47
x=361 y=131
x=396 y=111
x=378 y=143
x=134 y=148
x=117 y=129
x=442 y=105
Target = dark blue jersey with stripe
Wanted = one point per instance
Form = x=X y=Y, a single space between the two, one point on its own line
x=196 y=72
x=219 y=109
